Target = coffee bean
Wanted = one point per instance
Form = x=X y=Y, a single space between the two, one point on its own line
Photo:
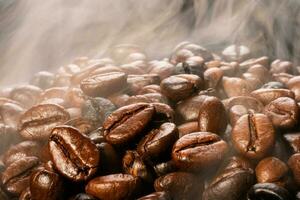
x=163 y=69
x=126 y=123
x=10 y=113
x=27 y=95
x=83 y=125
x=268 y=191
x=212 y=116
x=83 y=196
x=73 y=155
x=164 y=168
x=103 y=85
x=8 y=136
x=179 y=87
x=45 y=185
x=294 y=165
x=25 y=195
x=187 y=128
x=234 y=86
x=110 y=159
x=283 y=112
x=271 y=170
x=158 y=142
x=267 y=95
x=235 y=112
x=16 y=176
x=198 y=151
x=180 y=185
x=114 y=187
x=37 y=122
x=273 y=85
x=293 y=141
x=278 y=66
x=253 y=135
x=43 y=79
x=213 y=77
x=249 y=103
x=150 y=89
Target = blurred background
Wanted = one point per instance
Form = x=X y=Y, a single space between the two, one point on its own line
x=43 y=35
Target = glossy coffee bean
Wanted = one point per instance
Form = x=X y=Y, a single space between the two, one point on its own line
x=158 y=142
x=163 y=113
x=150 y=89
x=283 y=112
x=136 y=82
x=249 y=103
x=235 y=112
x=83 y=125
x=294 y=165
x=113 y=187
x=156 y=196
x=232 y=182
x=21 y=150
x=110 y=159
x=268 y=191
x=8 y=136
x=180 y=185
x=102 y=85
x=27 y=95
x=45 y=185
x=133 y=164
x=181 y=86
x=37 y=122
x=212 y=116
x=198 y=151
x=213 y=77
x=293 y=141
x=126 y=123
x=186 y=128
x=253 y=135
x=83 y=196
x=267 y=95
x=74 y=155
x=190 y=66
x=147 y=98
x=271 y=170
x=16 y=176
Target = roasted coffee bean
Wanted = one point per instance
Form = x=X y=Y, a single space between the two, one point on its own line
x=188 y=110
x=27 y=95
x=10 y=113
x=103 y=85
x=278 y=66
x=75 y=156
x=232 y=183
x=54 y=92
x=248 y=102
x=45 y=185
x=179 y=87
x=273 y=85
x=114 y=187
x=294 y=165
x=83 y=196
x=43 y=79
x=271 y=170
x=57 y=101
x=4 y=196
x=283 y=112
x=150 y=89
x=84 y=126
x=163 y=113
x=97 y=109
x=97 y=136
x=74 y=97
x=147 y=98
x=21 y=150
x=156 y=196
x=180 y=185
x=8 y=137
x=186 y=128
x=164 y=69
x=37 y=122
x=164 y=168
x=25 y=195
x=236 y=53
x=253 y=135
x=119 y=99
x=268 y=191
x=267 y=95
x=293 y=141
x=212 y=116
x=110 y=160
x=158 y=142
x=213 y=77
x=16 y=176
x=198 y=151
x=133 y=164
x=136 y=82
x=126 y=123
x=190 y=66
x=74 y=112
x=234 y=86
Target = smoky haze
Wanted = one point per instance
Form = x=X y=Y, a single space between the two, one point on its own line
x=43 y=35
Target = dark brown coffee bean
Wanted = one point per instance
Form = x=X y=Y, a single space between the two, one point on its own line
x=97 y=136
x=102 y=85
x=21 y=150
x=158 y=142
x=267 y=95
x=83 y=125
x=235 y=112
x=213 y=77
x=294 y=165
x=253 y=135
x=180 y=86
x=293 y=141
x=268 y=191
x=74 y=156
x=186 y=128
x=83 y=196
x=156 y=196
x=45 y=185
x=133 y=164
x=136 y=82
x=283 y=112
x=163 y=113
x=16 y=176
x=180 y=185
x=37 y=122
x=27 y=95
x=198 y=151
x=212 y=116
x=25 y=195
x=113 y=187
x=126 y=123
x=110 y=159
x=164 y=168
x=271 y=170
x=232 y=182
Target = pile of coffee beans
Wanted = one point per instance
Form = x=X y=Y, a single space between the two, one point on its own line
x=196 y=125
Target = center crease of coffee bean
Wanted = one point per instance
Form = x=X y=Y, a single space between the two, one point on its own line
x=252 y=133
